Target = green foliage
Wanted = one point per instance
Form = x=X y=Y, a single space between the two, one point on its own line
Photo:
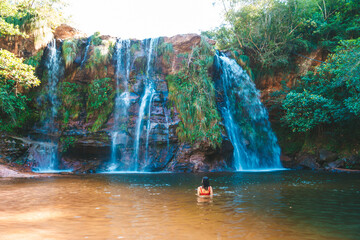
x=271 y=31
x=165 y=50
x=101 y=54
x=34 y=60
x=95 y=39
x=192 y=92
x=100 y=102
x=69 y=51
x=13 y=68
x=305 y=110
x=67 y=142
x=71 y=101
x=14 y=74
x=31 y=18
x=8 y=11
x=331 y=95
x=14 y=109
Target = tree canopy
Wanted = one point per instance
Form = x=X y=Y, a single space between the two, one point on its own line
x=331 y=95
x=22 y=18
x=271 y=31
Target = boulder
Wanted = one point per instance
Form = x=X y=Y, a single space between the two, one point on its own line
x=184 y=42
x=65 y=31
x=336 y=164
x=327 y=156
x=308 y=161
x=287 y=161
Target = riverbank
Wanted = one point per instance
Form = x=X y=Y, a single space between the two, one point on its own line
x=13 y=172
x=7 y=172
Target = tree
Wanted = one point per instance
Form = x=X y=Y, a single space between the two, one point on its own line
x=270 y=32
x=329 y=96
x=22 y=18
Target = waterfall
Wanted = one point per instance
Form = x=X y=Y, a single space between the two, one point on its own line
x=167 y=125
x=146 y=100
x=88 y=43
x=45 y=153
x=122 y=100
x=148 y=129
x=245 y=118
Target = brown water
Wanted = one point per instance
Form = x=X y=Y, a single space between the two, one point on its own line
x=275 y=205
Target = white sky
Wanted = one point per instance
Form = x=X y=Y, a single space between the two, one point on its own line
x=144 y=18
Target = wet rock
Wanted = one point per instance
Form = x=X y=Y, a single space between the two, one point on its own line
x=327 y=156
x=287 y=161
x=336 y=164
x=308 y=161
x=201 y=157
x=13 y=148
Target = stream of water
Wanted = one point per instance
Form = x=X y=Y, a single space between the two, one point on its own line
x=145 y=105
x=122 y=101
x=45 y=150
x=266 y=205
x=245 y=118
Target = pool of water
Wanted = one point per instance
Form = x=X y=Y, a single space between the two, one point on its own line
x=265 y=205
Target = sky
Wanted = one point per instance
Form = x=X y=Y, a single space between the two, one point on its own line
x=144 y=18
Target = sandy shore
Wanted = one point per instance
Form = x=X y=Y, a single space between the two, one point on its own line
x=8 y=172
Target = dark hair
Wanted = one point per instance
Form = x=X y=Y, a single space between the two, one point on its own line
x=205 y=183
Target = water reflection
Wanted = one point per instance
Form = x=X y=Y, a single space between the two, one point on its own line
x=281 y=205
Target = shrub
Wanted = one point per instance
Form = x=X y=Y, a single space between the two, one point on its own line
x=100 y=102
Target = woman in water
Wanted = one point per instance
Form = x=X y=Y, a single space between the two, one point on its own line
x=205 y=189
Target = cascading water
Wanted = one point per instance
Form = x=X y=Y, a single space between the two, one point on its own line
x=146 y=100
x=148 y=130
x=45 y=153
x=167 y=125
x=88 y=43
x=245 y=117
x=122 y=100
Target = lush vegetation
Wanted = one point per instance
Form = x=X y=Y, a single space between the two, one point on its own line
x=14 y=76
x=192 y=92
x=100 y=102
x=328 y=96
x=165 y=50
x=69 y=51
x=22 y=19
x=31 y=18
x=100 y=56
x=268 y=36
x=72 y=101
x=270 y=32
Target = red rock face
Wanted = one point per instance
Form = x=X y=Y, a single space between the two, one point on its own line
x=268 y=84
x=65 y=31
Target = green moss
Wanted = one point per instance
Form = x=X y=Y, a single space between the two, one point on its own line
x=71 y=102
x=100 y=102
x=192 y=92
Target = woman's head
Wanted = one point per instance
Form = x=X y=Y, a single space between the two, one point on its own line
x=205 y=182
